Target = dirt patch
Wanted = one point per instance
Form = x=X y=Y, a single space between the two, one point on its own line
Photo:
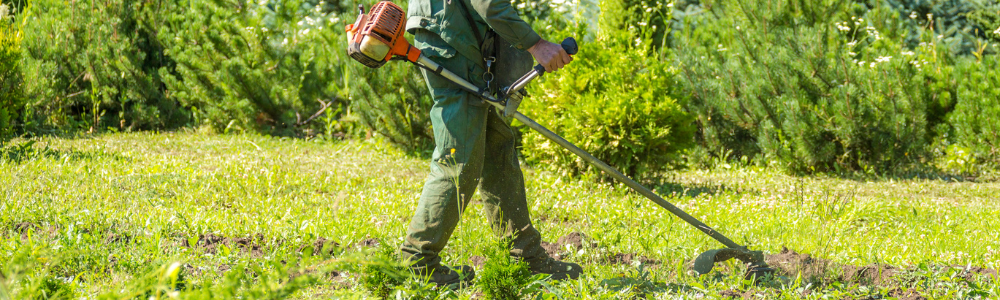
x=36 y=230
x=117 y=238
x=211 y=243
x=731 y=294
x=791 y=263
x=910 y=294
x=874 y=274
x=368 y=243
x=477 y=261
x=573 y=241
x=319 y=245
x=577 y=240
x=24 y=227
x=629 y=258
x=971 y=273
x=817 y=270
x=338 y=278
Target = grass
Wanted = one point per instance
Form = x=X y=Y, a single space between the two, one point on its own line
x=182 y=215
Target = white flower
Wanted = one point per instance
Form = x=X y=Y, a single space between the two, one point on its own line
x=913 y=15
x=908 y=53
x=883 y=58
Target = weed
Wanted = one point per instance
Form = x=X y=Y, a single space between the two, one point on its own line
x=503 y=276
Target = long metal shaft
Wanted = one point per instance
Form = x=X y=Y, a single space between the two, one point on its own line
x=437 y=69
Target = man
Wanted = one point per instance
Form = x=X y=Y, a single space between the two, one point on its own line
x=474 y=145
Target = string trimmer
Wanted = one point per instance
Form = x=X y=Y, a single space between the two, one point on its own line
x=377 y=37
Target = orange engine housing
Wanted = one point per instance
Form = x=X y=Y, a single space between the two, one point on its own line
x=380 y=31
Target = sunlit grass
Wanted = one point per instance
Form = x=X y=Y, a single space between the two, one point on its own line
x=97 y=215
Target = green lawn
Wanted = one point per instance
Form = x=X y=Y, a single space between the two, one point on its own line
x=182 y=215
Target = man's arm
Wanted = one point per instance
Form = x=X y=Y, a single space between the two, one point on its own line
x=502 y=17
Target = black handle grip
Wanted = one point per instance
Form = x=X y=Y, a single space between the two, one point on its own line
x=569 y=44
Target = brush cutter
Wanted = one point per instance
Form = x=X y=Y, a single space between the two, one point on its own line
x=377 y=37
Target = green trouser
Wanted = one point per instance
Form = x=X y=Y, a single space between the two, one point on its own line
x=474 y=146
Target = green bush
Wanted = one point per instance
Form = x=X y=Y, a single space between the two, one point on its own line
x=246 y=66
x=11 y=81
x=816 y=86
x=617 y=100
x=976 y=119
x=94 y=64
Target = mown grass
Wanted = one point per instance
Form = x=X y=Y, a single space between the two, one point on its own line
x=134 y=216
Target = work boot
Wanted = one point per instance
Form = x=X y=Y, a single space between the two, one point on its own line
x=441 y=275
x=558 y=270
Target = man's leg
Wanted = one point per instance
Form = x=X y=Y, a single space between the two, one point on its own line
x=502 y=190
x=459 y=121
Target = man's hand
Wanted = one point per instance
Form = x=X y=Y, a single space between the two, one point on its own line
x=550 y=55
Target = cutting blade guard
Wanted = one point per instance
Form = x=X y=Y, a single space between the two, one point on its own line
x=378 y=36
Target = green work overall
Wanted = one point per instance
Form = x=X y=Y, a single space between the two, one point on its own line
x=474 y=145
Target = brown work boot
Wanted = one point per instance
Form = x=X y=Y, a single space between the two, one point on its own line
x=557 y=269
x=441 y=275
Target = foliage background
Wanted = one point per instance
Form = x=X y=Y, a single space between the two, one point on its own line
x=819 y=86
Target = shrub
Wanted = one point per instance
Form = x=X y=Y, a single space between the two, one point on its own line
x=617 y=100
x=94 y=64
x=976 y=119
x=817 y=86
x=11 y=81
x=392 y=101
x=245 y=66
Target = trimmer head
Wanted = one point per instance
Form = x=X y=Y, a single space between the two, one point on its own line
x=757 y=268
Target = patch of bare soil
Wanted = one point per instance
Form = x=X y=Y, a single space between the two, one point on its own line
x=320 y=245
x=970 y=273
x=910 y=294
x=731 y=293
x=35 y=229
x=628 y=258
x=338 y=278
x=24 y=227
x=117 y=238
x=211 y=242
x=477 y=261
x=574 y=241
x=368 y=243
x=818 y=270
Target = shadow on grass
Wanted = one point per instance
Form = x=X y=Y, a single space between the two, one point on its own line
x=18 y=153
